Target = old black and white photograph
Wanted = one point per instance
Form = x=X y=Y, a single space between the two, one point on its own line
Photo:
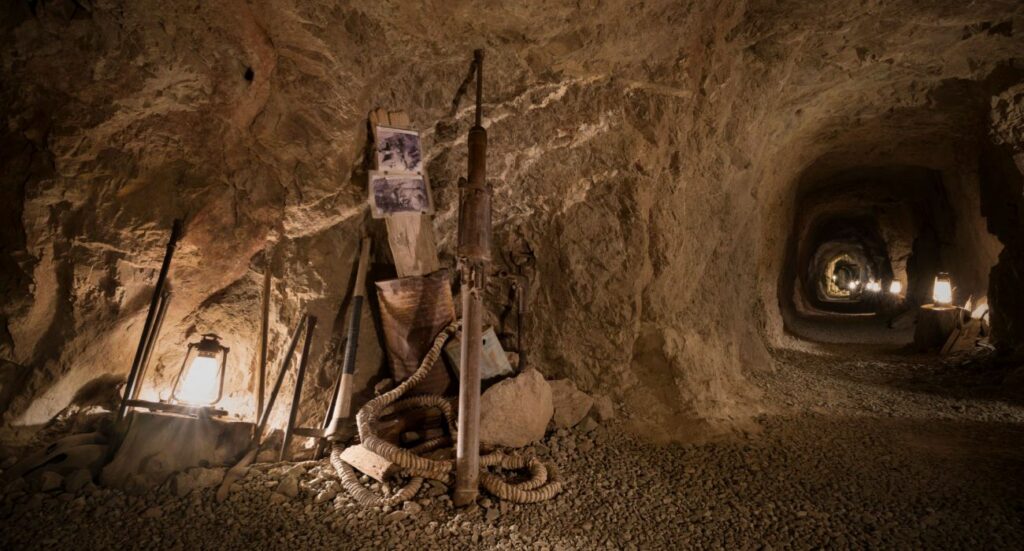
x=397 y=193
x=398 y=150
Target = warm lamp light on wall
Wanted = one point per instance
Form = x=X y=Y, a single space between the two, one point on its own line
x=199 y=384
x=942 y=291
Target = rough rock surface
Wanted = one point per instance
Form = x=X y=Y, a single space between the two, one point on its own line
x=571 y=404
x=645 y=154
x=515 y=412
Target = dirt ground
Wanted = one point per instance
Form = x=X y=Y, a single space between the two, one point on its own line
x=888 y=451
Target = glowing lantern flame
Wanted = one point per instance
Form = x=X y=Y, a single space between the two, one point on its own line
x=942 y=292
x=896 y=287
x=200 y=384
x=201 y=379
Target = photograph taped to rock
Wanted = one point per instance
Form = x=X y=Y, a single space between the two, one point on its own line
x=398 y=150
x=397 y=193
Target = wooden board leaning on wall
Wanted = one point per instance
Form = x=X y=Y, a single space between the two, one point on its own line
x=410 y=235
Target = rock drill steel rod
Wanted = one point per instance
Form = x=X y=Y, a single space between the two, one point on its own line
x=300 y=376
x=165 y=301
x=474 y=254
x=147 y=328
x=285 y=362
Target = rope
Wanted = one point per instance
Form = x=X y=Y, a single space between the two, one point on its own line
x=544 y=482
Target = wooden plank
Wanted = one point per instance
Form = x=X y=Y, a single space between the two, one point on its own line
x=368 y=463
x=399 y=119
x=410 y=235
x=413 y=247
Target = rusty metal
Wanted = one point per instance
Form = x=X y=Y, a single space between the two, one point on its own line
x=147 y=328
x=474 y=252
x=297 y=393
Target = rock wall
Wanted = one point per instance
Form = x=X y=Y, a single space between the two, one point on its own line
x=645 y=154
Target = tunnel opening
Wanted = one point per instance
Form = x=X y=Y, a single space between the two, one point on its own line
x=865 y=246
x=879 y=208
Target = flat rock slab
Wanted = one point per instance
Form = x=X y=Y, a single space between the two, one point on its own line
x=158 y=445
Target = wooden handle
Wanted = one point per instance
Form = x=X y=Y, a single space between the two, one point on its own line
x=364 y=260
x=343 y=395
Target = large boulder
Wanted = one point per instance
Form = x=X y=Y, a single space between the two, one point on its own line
x=571 y=404
x=516 y=411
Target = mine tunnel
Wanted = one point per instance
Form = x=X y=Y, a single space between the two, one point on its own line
x=284 y=274
x=866 y=246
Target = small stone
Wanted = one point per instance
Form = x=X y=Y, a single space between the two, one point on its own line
x=603 y=409
x=206 y=478
x=492 y=515
x=49 y=481
x=182 y=484
x=289 y=486
x=78 y=480
x=412 y=507
x=396 y=516
x=153 y=512
x=326 y=494
x=588 y=425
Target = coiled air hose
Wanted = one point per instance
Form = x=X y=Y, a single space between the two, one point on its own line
x=544 y=482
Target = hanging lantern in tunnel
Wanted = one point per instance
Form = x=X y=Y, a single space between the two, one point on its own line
x=200 y=381
x=896 y=287
x=873 y=286
x=942 y=292
x=853 y=285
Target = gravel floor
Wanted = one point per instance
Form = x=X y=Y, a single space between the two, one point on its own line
x=885 y=452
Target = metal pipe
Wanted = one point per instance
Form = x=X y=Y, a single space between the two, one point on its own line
x=341 y=405
x=147 y=327
x=265 y=415
x=478 y=60
x=165 y=299
x=297 y=393
x=474 y=254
